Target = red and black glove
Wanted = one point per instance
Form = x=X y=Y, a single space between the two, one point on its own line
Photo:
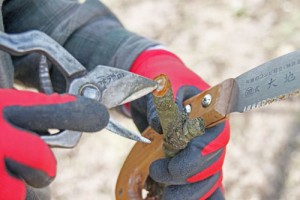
x=24 y=157
x=196 y=171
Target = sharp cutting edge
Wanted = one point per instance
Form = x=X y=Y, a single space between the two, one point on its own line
x=272 y=81
x=109 y=85
x=117 y=128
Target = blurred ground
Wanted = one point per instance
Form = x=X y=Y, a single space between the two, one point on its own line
x=217 y=39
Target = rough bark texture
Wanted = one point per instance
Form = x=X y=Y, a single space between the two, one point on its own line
x=177 y=128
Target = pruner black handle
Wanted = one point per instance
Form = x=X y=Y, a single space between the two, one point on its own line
x=37 y=41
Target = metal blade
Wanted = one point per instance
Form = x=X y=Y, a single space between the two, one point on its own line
x=130 y=87
x=109 y=85
x=112 y=86
x=274 y=80
x=119 y=130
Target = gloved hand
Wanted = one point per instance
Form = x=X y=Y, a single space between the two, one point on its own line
x=196 y=171
x=24 y=157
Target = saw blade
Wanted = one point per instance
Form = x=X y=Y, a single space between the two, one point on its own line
x=274 y=80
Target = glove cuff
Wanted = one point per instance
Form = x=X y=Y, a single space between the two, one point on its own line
x=151 y=63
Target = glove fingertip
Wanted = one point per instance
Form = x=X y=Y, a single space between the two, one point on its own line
x=215 y=138
x=209 y=168
x=34 y=177
x=158 y=170
x=218 y=194
x=199 y=190
x=103 y=118
x=93 y=115
x=82 y=114
x=155 y=124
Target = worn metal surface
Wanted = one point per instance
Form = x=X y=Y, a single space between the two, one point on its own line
x=44 y=76
x=108 y=85
x=114 y=127
x=272 y=81
x=115 y=86
x=64 y=139
x=39 y=42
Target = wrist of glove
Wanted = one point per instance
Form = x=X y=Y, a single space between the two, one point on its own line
x=24 y=157
x=151 y=64
x=196 y=171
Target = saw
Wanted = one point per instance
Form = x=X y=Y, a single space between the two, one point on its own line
x=272 y=81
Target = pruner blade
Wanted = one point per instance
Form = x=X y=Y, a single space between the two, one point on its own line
x=116 y=128
x=113 y=87
x=110 y=86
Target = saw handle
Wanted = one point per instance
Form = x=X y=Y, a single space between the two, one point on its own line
x=213 y=105
x=135 y=170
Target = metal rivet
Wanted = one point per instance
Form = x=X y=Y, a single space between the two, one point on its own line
x=90 y=91
x=188 y=108
x=206 y=101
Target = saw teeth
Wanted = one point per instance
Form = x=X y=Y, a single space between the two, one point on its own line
x=271 y=100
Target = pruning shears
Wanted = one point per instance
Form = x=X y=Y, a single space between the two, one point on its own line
x=110 y=86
